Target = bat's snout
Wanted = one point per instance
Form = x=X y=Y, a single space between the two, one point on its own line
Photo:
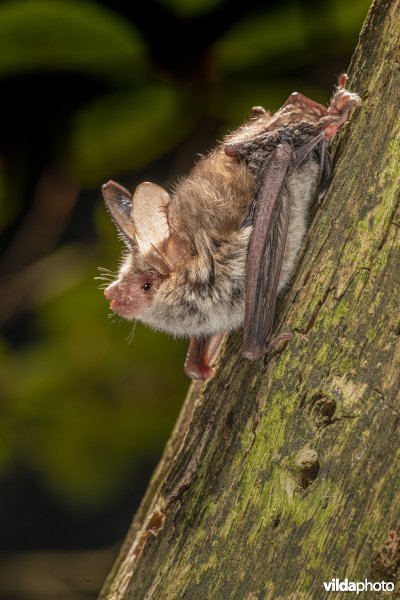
x=112 y=292
x=115 y=294
x=119 y=302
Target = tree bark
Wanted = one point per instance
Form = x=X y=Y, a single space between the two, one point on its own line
x=284 y=473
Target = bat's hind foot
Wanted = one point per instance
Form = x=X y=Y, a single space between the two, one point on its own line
x=340 y=106
x=285 y=336
x=201 y=355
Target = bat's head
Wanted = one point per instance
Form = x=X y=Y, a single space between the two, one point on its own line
x=131 y=295
x=153 y=254
x=169 y=279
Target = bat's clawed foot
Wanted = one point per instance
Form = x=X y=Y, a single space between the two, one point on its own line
x=233 y=150
x=285 y=336
x=255 y=351
x=342 y=102
x=340 y=106
x=201 y=355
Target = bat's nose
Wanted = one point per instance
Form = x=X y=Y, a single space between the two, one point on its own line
x=112 y=292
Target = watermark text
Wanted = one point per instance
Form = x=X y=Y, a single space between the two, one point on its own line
x=344 y=585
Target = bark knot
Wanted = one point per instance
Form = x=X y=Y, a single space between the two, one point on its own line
x=307 y=466
x=322 y=408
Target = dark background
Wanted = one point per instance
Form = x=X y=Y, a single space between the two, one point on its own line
x=129 y=91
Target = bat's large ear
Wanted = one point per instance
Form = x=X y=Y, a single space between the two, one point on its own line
x=119 y=203
x=149 y=216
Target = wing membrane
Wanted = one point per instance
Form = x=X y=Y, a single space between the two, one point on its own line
x=266 y=252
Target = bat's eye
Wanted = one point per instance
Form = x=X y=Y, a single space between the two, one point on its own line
x=146 y=287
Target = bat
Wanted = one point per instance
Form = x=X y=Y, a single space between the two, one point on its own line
x=212 y=255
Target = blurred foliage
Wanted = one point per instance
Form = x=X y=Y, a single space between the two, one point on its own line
x=100 y=90
x=102 y=142
x=80 y=403
x=274 y=33
x=67 y=35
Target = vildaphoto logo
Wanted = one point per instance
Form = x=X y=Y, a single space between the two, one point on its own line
x=337 y=585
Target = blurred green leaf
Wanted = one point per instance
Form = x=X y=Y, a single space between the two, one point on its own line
x=66 y=35
x=347 y=16
x=260 y=38
x=82 y=407
x=125 y=131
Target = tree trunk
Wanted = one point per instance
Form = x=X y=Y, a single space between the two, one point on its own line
x=284 y=473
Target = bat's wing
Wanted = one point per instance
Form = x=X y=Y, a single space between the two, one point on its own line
x=268 y=240
x=266 y=250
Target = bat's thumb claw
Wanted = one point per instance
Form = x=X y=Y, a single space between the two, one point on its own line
x=252 y=353
x=232 y=150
